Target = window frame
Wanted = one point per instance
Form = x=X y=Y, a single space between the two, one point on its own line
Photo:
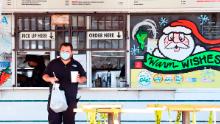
x=70 y=29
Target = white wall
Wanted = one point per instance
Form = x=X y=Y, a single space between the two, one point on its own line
x=29 y=105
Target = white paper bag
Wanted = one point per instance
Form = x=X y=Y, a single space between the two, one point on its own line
x=58 y=99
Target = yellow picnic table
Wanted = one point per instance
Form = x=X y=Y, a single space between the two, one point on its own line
x=112 y=111
x=185 y=109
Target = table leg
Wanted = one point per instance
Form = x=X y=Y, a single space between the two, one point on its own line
x=185 y=117
x=112 y=119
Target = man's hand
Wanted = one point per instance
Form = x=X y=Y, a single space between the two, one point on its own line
x=53 y=80
x=47 y=78
x=81 y=80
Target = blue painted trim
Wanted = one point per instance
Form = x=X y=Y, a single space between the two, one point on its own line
x=149 y=100
x=118 y=101
x=23 y=121
x=36 y=121
x=23 y=100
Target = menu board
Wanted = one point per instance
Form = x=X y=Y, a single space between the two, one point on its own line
x=77 y=5
x=153 y=4
x=109 y=5
x=7 y=5
x=174 y=4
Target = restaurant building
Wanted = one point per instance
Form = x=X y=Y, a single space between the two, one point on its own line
x=124 y=46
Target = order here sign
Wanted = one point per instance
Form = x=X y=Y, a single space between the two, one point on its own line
x=37 y=35
x=104 y=35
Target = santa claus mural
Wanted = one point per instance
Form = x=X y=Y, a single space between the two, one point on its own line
x=177 y=41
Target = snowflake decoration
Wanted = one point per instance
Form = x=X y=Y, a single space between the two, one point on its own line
x=163 y=21
x=203 y=19
x=135 y=50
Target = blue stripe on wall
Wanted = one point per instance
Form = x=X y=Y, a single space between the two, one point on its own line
x=118 y=101
x=12 y=121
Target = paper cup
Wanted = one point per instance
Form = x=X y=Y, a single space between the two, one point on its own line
x=74 y=75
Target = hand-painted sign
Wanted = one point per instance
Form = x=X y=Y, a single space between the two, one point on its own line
x=141 y=37
x=37 y=35
x=6 y=50
x=177 y=52
x=209 y=59
x=104 y=35
x=180 y=52
x=5 y=75
x=60 y=19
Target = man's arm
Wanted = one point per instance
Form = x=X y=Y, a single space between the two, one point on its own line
x=82 y=79
x=47 y=78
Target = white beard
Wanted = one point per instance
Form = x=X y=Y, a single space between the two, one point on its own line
x=176 y=54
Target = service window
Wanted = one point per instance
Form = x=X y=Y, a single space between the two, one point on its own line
x=33 y=47
x=78 y=33
x=107 y=41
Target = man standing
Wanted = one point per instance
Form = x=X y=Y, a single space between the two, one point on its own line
x=59 y=70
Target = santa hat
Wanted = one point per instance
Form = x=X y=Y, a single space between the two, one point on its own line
x=186 y=27
x=178 y=29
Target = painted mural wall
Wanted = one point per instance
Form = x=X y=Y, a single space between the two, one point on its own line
x=175 y=50
x=5 y=50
